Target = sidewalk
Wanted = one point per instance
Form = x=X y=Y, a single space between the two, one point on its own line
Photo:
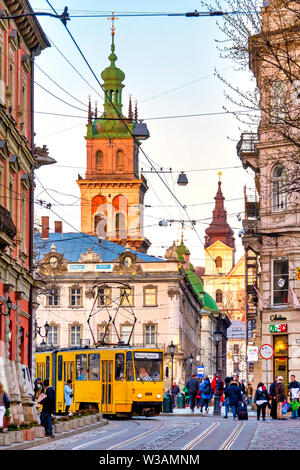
x=43 y=440
x=187 y=412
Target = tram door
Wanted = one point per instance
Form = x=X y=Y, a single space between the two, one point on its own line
x=69 y=374
x=107 y=391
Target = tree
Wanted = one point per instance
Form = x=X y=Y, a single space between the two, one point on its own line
x=267 y=38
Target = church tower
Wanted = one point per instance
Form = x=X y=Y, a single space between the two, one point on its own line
x=219 y=239
x=112 y=192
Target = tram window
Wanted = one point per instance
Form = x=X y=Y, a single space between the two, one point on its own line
x=59 y=368
x=119 y=367
x=48 y=367
x=129 y=367
x=94 y=367
x=81 y=366
x=148 y=366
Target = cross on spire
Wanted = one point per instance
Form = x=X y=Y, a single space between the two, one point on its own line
x=113 y=18
x=220 y=174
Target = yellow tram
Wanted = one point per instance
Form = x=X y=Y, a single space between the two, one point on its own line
x=121 y=381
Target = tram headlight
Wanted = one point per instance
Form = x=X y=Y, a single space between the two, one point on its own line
x=139 y=395
x=158 y=395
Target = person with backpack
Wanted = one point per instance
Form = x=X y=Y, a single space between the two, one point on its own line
x=261 y=398
x=227 y=382
x=234 y=393
x=206 y=393
x=48 y=402
x=192 y=386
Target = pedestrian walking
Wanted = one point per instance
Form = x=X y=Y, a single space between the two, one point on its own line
x=234 y=393
x=280 y=396
x=47 y=399
x=295 y=406
x=174 y=392
x=227 y=382
x=4 y=404
x=249 y=394
x=272 y=396
x=261 y=399
x=68 y=395
x=193 y=387
x=293 y=388
x=186 y=394
x=206 y=393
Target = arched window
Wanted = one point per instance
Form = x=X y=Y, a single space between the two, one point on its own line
x=219 y=296
x=278 y=101
x=120 y=160
x=120 y=226
x=99 y=160
x=218 y=261
x=99 y=216
x=278 y=188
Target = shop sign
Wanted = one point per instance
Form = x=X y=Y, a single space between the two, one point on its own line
x=277 y=317
x=278 y=328
x=298 y=274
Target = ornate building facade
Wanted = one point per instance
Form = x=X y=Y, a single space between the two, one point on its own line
x=272 y=231
x=20 y=40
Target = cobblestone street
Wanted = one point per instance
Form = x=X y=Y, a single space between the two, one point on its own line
x=276 y=435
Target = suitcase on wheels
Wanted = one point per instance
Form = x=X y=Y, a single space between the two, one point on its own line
x=242 y=411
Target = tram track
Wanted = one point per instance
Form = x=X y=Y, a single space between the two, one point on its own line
x=190 y=445
x=233 y=436
x=136 y=438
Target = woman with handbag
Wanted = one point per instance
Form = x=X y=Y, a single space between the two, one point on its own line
x=261 y=399
x=4 y=404
x=68 y=394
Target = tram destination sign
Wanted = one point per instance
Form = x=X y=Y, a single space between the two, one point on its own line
x=146 y=355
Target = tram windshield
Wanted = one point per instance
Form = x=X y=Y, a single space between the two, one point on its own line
x=148 y=366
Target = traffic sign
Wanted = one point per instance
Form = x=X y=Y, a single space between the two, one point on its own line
x=201 y=372
x=266 y=351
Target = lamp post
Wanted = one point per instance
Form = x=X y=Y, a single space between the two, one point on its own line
x=172 y=352
x=191 y=359
x=38 y=330
x=217 y=338
x=9 y=305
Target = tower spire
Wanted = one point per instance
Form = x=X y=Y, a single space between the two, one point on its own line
x=90 y=112
x=219 y=228
x=136 y=112
x=96 y=110
x=130 y=113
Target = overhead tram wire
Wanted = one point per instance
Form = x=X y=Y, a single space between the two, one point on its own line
x=125 y=123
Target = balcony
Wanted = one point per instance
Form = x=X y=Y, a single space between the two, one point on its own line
x=7 y=228
x=247 y=150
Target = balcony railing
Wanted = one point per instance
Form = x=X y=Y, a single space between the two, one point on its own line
x=247 y=144
x=7 y=227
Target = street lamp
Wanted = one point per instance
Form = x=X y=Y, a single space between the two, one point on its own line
x=172 y=352
x=38 y=330
x=191 y=359
x=217 y=338
x=9 y=305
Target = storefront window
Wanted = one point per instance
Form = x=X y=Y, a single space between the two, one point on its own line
x=281 y=356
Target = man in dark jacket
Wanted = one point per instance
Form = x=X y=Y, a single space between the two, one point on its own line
x=48 y=408
x=272 y=396
x=193 y=387
x=233 y=392
x=294 y=388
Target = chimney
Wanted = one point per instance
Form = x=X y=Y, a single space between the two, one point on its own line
x=58 y=226
x=45 y=227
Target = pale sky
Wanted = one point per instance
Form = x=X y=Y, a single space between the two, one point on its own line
x=169 y=65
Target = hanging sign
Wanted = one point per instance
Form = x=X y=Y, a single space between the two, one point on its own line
x=266 y=351
x=252 y=353
x=298 y=274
